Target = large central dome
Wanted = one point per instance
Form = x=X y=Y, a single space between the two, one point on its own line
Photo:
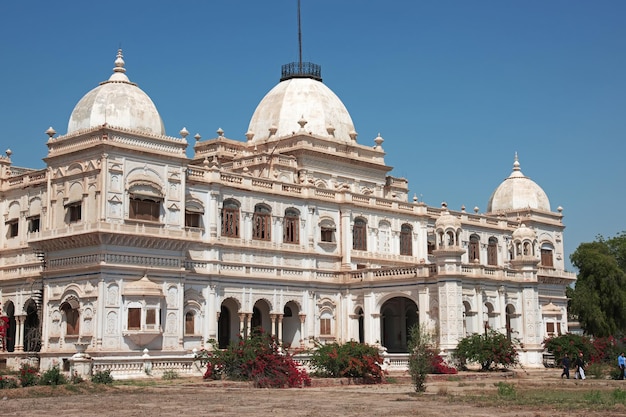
x=301 y=101
x=117 y=103
x=518 y=192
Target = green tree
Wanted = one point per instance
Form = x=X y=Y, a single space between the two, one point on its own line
x=421 y=346
x=599 y=297
x=489 y=349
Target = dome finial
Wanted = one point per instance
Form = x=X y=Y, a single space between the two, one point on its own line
x=516 y=163
x=119 y=62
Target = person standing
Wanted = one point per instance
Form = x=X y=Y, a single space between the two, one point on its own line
x=621 y=363
x=565 y=363
x=580 y=367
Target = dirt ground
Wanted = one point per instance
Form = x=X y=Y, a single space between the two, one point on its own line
x=194 y=397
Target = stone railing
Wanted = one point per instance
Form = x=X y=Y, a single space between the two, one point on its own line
x=132 y=367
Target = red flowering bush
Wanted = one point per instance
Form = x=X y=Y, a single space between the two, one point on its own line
x=258 y=359
x=490 y=349
x=352 y=359
x=28 y=375
x=440 y=367
x=571 y=344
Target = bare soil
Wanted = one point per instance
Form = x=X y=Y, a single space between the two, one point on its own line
x=448 y=397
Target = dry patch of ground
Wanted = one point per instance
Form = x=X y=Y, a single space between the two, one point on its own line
x=463 y=395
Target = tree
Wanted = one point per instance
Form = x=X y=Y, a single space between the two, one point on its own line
x=421 y=357
x=488 y=349
x=599 y=297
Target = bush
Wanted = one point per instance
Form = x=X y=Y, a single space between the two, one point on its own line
x=102 y=377
x=490 y=349
x=506 y=390
x=169 y=374
x=28 y=375
x=571 y=344
x=257 y=359
x=352 y=359
x=421 y=357
x=52 y=376
x=7 y=382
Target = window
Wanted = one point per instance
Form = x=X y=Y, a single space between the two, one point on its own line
x=134 y=318
x=474 y=249
x=546 y=257
x=406 y=240
x=492 y=251
x=145 y=208
x=71 y=318
x=550 y=329
x=192 y=219
x=230 y=219
x=12 y=227
x=151 y=319
x=359 y=239
x=327 y=231
x=33 y=224
x=291 y=229
x=74 y=212
x=190 y=323
x=325 y=326
x=261 y=222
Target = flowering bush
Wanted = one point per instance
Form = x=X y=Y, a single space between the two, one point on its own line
x=7 y=382
x=489 y=349
x=352 y=359
x=28 y=375
x=571 y=344
x=52 y=376
x=258 y=359
x=440 y=367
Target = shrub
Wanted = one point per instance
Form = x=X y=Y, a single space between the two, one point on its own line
x=506 y=390
x=571 y=344
x=76 y=379
x=489 y=349
x=438 y=366
x=102 y=377
x=7 y=382
x=421 y=356
x=257 y=359
x=52 y=376
x=352 y=359
x=169 y=374
x=28 y=375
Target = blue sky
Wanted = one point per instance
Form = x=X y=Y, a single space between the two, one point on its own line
x=455 y=87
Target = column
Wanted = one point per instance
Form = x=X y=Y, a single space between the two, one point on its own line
x=280 y=327
x=302 y=317
x=273 y=318
x=242 y=324
x=19 y=332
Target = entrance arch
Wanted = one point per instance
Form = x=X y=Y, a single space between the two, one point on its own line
x=228 y=323
x=32 y=329
x=9 y=338
x=261 y=317
x=291 y=325
x=398 y=315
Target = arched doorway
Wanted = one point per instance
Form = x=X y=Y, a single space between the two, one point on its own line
x=260 y=318
x=9 y=310
x=291 y=325
x=32 y=329
x=398 y=315
x=228 y=323
x=359 y=314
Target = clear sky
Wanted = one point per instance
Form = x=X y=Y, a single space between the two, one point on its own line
x=455 y=87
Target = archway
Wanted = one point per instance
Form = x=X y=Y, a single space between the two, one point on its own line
x=32 y=330
x=260 y=318
x=359 y=313
x=291 y=325
x=228 y=323
x=10 y=335
x=398 y=315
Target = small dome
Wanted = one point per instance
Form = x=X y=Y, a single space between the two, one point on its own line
x=518 y=192
x=301 y=104
x=117 y=102
x=524 y=233
x=446 y=220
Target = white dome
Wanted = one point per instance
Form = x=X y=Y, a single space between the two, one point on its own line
x=117 y=103
x=301 y=101
x=446 y=220
x=518 y=192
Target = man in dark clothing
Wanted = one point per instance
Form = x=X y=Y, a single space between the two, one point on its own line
x=565 y=363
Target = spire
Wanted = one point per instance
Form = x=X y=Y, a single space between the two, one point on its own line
x=119 y=70
x=300 y=69
x=516 y=163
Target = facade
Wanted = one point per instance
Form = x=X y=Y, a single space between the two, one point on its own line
x=124 y=243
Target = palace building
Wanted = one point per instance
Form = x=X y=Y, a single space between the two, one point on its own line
x=123 y=244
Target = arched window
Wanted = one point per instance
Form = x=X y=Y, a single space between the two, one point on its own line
x=474 y=249
x=145 y=208
x=291 y=228
x=492 y=251
x=359 y=237
x=261 y=222
x=406 y=240
x=70 y=310
x=326 y=323
x=327 y=230
x=547 y=258
x=193 y=215
x=230 y=218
